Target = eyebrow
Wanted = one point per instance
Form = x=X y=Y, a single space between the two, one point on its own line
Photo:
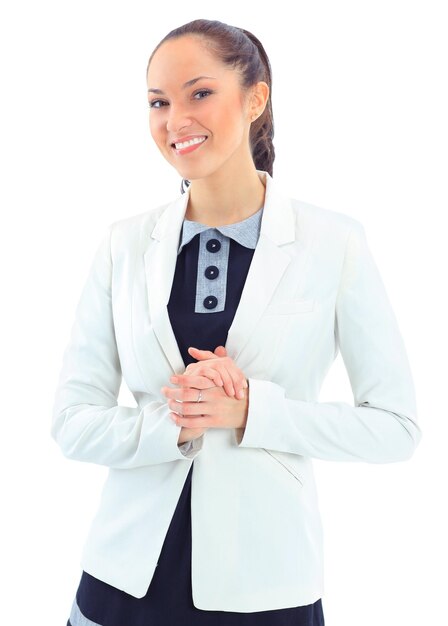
x=187 y=84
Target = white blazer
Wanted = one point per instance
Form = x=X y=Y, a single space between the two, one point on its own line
x=312 y=289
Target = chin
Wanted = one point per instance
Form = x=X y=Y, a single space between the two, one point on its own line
x=195 y=173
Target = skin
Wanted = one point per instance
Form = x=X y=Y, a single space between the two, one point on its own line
x=225 y=188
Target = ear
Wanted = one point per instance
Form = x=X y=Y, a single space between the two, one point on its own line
x=258 y=99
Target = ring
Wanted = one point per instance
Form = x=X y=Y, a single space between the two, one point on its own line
x=199 y=396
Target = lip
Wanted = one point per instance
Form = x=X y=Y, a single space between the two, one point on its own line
x=180 y=152
x=186 y=138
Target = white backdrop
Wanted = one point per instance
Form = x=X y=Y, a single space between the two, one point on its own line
x=360 y=100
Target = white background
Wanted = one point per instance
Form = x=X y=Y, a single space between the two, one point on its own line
x=360 y=102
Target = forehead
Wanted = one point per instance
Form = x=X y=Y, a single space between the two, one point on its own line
x=181 y=59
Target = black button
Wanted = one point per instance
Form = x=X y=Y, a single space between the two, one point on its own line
x=210 y=302
x=213 y=245
x=212 y=272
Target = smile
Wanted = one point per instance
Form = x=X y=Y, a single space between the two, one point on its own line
x=188 y=146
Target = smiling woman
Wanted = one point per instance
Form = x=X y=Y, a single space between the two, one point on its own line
x=209 y=513
x=216 y=83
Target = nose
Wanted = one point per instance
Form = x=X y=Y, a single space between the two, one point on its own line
x=177 y=118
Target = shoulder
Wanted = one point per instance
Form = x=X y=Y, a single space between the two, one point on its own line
x=325 y=222
x=324 y=217
x=129 y=232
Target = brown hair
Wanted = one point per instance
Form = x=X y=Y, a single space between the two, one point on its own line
x=237 y=48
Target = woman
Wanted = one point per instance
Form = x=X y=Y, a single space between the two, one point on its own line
x=209 y=513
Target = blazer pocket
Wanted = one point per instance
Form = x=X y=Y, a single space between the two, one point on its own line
x=289 y=307
x=285 y=466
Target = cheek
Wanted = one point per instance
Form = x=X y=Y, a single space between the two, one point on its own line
x=232 y=122
x=223 y=117
x=228 y=131
x=156 y=129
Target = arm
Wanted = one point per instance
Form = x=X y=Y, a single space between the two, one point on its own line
x=382 y=426
x=192 y=445
x=87 y=423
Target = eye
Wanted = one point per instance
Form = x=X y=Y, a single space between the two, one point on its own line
x=152 y=104
x=206 y=91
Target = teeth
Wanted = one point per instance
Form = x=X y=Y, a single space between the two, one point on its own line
x=179 y=146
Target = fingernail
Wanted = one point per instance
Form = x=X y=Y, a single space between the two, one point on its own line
x=174 y=379
x=241 y=394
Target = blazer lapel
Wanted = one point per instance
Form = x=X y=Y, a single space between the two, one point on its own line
x=268 y=265
x=160 y=265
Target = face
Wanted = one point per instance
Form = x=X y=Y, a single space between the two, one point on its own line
x=214 y=108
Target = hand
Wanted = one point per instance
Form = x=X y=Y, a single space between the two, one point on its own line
x=205 y=376
x=215 y=410
x=218 y=367
x=188 y=433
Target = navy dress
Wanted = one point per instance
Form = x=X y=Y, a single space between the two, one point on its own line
x=215 y=262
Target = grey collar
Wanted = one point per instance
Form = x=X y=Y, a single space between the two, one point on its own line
x=245 y=232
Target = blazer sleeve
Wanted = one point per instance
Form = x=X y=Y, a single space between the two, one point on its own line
x=87 y=422
x=382 y=426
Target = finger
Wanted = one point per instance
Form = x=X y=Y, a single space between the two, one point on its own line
x=234 y=380
x=190 y=409
x=238 y=378
x=206 y=378
x=201 y=354
x=240 y=383
x=227 y=380
x=229 y=377
x=220 y=351
x=202 y=369
x=192 y=422
x=182 y=394
x=216 y=371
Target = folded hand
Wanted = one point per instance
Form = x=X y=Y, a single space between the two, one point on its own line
x=224 y=390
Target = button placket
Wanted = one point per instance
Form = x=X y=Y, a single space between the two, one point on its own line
x=212 y=271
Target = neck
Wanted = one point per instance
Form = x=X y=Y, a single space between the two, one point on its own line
x=226 y=197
